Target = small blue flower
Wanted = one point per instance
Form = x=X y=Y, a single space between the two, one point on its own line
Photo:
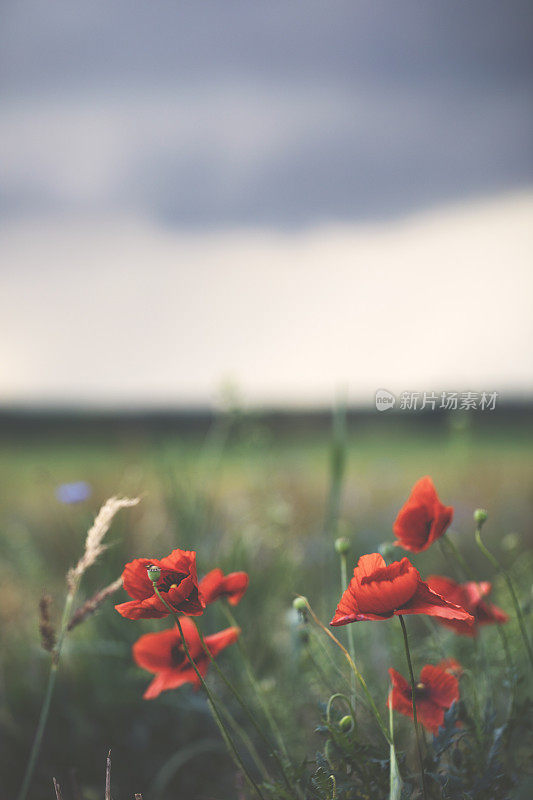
x=75 y=492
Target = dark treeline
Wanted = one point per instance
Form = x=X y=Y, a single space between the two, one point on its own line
x=36 y=423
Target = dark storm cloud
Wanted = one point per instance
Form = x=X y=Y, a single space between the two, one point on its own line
x=225 y=112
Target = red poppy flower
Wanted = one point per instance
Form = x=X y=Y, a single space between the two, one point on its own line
x=471 y=596
x=163 y=654
x=423 y=519
x=378 y=591
x=178 y=584
x=435 y=692
x=232 y=586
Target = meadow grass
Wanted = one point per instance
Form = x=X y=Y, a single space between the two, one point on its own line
x=245 y=498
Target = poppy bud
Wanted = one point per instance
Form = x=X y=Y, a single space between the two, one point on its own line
x=154 y=573
x=480 y=516
x=299 y=604
x=387 y=550
x=346 y=723
x=342 y=545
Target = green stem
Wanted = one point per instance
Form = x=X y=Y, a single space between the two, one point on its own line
x=512 y=681
x=255 y=685
x=351 y=643
x=45 y=708
x=496 y=564
x=338 y=464
x=341 y=696
x=243 y=705
x=415 y=717
x=452 y=552
x=430 y=626
x=318 y=639
x=353 y=666
x=318 y=669
x=245 y=739
x=458 y=557
x=470 y=575
x=211 y=701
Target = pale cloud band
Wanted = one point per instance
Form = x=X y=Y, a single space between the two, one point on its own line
x=121 y=312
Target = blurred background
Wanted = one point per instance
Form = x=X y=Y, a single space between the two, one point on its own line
x=222 y=220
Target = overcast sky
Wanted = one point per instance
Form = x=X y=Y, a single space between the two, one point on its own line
x=184 y=124
x=279 y=113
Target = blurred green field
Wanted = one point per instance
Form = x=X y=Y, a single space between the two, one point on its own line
x=244 y=496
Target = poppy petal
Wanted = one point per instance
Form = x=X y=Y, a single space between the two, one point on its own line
x=210 y=584
x=399 y=682
x=447 y=588
x=347 y=610
x=386 y=588
x=173 y=679
x=151 y=608
x=368 y=564
x=191 y=636
x=475 y=592
x=218 y=641
x=412 y=528
x=235 y=586
x=430 y=715
x=135 y=578
x=181 y=561
x=180 y=592
x=400 y=694
x=425 y=601
x=488 y=613
x=153 y=651
x=442 y=686
x=422 y=519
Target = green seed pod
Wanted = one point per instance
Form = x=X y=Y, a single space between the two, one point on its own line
x=299 y=604
x=342 y=545
x=480 y=516
x=346 y=723
x=154 y=573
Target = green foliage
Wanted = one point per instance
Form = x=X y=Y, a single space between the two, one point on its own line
x=250 y=501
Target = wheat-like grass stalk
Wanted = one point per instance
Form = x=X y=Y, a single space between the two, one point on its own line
x=95 y=536
x=93 y=548
x=93 y=603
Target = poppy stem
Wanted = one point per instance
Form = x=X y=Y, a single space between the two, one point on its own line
x=497 y=566
x=340 y=696
x=211 y=702
x=351 y=643
x=415 y=717
x=245 y=739
x=244 y=707
x=255 y=685
x=333 y=664
x=458 y=557
x=351 y=662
